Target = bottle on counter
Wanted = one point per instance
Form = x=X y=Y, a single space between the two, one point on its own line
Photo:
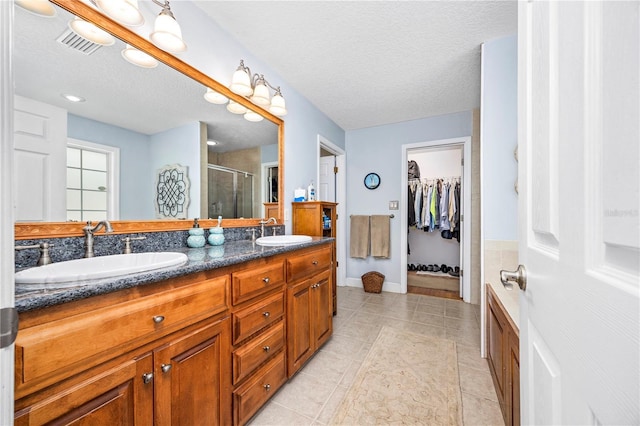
x=311 y=191
x=216 y=234
x=196 y=236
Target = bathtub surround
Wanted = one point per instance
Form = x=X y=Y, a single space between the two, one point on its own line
x=73 y=247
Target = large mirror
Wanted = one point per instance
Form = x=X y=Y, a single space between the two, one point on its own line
x=154 y=118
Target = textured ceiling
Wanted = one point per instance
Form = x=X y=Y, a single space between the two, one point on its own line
x=368 y=63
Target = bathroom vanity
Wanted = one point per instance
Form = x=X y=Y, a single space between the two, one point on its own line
x=208 y=342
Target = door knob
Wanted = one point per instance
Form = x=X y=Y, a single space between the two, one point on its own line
x=519 y=276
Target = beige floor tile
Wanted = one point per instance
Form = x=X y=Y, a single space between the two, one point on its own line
x=426 y=329
x=470 y=357
x=305 y=394
x=399 y=314
x=344 y=345
x=461 y=324
x=360 y=331
x=350 y=374
x=346 y=303
x=361 y=317
x=431 y=309
x=275 y=414
x=332 y=405
x=477 y=382
x=423 y=318
x=480 y=412
x=429 y=300
x=466 y=337
x=328 y=366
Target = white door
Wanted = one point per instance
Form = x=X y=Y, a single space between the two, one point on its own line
x=327 y=182
x=579 y=200
x=40 y=141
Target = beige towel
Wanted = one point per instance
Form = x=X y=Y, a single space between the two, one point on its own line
x=380 y=236
x=359 y=244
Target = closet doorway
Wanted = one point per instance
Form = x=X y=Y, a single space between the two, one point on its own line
x=437 y=239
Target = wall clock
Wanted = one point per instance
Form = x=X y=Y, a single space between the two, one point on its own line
x=372 y=181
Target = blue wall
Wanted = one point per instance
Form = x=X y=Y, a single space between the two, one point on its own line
x=499 y=138
x=135 y=175
x=379 y=149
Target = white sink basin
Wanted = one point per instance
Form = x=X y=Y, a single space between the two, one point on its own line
x=283 y=240
x=67 y=274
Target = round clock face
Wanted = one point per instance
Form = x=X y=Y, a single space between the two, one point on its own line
x=372 y=181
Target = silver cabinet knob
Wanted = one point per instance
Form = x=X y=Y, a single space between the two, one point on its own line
x=266 y=314
x=158 y=319
x=266 y=280
x=147 y=378
x=315 y=262
x=519 y=276
x=266 y=348
x=267 y=387
x=165 y=367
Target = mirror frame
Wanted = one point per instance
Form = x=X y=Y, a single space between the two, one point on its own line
x=36 y=230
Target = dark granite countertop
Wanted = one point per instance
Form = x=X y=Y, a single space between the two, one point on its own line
x=200 y=259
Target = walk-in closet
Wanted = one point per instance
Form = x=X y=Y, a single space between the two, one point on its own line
x=434 y=213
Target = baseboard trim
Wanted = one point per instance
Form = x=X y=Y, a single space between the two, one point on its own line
x=386 y=286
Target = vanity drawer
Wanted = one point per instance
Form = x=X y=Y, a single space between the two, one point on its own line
x=248 y=398
x=257 y=351
x=255 y=281
x=60 y=347
x=253 y=318
x=308 y=264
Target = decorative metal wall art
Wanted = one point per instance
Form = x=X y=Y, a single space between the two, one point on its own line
x=172 y=192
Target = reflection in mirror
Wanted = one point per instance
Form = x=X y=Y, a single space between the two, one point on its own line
x=136 y=121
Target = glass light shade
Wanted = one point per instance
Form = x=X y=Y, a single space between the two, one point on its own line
x=236 y=108
x=139 y=58
x=167 y=34
x=260 y=95
x=39 y=7
x=91 y=32
x=278 y=106
x=215 y=97
x=252 y=116
x=124 y=11
x=241 y=83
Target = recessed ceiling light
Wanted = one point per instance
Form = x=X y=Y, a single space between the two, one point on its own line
x=212 y=142
x=73 y=98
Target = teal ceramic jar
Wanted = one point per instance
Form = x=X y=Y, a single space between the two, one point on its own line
x=196 y=238
x=216 y=236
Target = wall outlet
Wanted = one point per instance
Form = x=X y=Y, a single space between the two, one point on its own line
x=393 y=205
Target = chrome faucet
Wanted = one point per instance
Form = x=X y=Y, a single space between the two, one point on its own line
x=88 y=235
x=266 y=222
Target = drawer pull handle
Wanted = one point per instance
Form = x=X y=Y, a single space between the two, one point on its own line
x=267 y=387
x=165 y=367
x=315 y=262
x=266 y=314
x=147 y=378
x=266 y=280
x=158 y=319
x=266 y=348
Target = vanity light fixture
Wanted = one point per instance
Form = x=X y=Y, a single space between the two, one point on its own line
x=167 y=34
x=252 y=116
x=215 y=97
x=91 y=32
x=124 y=11
x=236 y=108
x=256 y=88
x=138 y=57
x=39 y=7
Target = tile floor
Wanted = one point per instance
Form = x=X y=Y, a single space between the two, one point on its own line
x=312 y=396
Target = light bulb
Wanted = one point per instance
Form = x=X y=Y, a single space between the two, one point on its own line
x=252 y=116
x=138 y=57
x=123 y=11
x=260 y=94
x=241 y=83
x=278 y=105
x=215 y=97
x=236 y=108
x=167 y=34
x=39 y=7
x=91 y=32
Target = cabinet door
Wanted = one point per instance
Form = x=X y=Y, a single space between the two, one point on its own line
x=514 y=376
x=322 y=305
x=117 y=396
x=299 y=343
x=193 y=378
x=496 y=349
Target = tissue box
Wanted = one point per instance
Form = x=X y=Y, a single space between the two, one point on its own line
x=299 y=194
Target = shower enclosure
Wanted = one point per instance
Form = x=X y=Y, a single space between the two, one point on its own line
x=230 y=192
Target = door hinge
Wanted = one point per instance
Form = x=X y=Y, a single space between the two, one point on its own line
x=335 y=170
x=461 y=218
x=8 y=326
x=337 y=264
x=461 y=272
x=336 y=216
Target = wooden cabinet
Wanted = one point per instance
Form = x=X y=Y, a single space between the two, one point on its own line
x=309 y=309
x=503 y=356
x=136 y=356
x=308 y=219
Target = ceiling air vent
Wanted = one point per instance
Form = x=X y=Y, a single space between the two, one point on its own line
x=76 y=42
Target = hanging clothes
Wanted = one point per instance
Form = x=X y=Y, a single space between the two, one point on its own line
x=418 y=206
x=411 y=205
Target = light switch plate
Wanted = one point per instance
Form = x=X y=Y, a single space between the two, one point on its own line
x=393 y=205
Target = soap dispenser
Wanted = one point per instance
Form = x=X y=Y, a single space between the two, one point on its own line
x=196 y=235
x=216 y=234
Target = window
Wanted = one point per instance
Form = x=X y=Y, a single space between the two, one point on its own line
x=92 y=181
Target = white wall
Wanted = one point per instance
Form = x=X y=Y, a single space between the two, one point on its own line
x=429 y=247
x=499 y=139
x=378 y=149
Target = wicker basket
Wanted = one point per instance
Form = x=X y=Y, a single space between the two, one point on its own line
x=372 y=282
